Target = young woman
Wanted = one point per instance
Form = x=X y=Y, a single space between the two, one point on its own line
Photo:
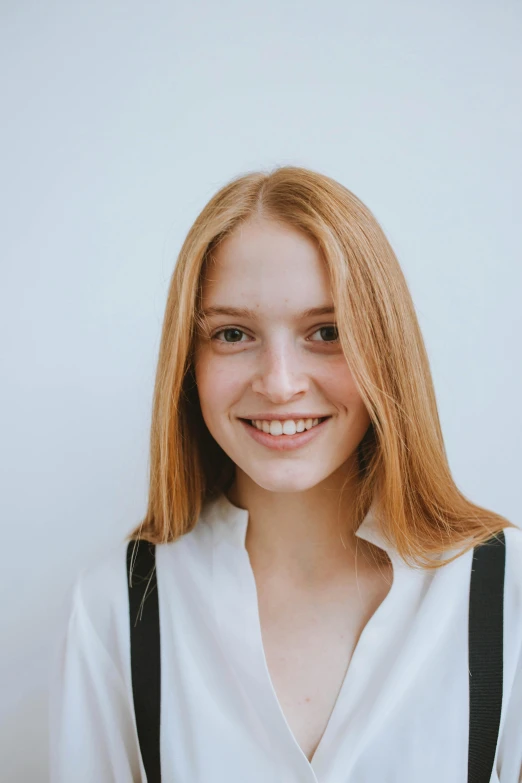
x=313 y=554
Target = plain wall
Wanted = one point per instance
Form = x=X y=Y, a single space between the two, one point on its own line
x=119 y=121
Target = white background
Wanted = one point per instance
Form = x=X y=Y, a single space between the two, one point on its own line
x=119 y=121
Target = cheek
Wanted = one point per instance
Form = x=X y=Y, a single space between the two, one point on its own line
x=339 y=385
x=217 y=386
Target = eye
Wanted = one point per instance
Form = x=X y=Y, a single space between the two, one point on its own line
x=229 y=330
x=328 y=330
x=233 y=334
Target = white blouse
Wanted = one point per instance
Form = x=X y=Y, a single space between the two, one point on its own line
x=401 y=716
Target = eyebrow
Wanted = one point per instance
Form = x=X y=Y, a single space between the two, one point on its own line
x=245 y=312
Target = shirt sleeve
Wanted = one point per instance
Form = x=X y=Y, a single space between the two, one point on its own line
x=510 y=746
x=92 y=735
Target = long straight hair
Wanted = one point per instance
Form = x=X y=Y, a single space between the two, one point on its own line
x=402 y=464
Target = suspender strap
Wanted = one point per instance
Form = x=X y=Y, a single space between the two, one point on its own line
x=145 y=652
x=486 y=636
x=486 y=632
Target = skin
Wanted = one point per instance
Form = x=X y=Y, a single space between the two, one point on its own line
x=281 y=362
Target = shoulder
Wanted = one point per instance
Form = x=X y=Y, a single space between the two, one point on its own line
x=513 y=605
x=513 y=536
x=100 y=594
x=513 y=558
x=102 y=586
x=106 y=576
x=513 y=574
x=512 y=674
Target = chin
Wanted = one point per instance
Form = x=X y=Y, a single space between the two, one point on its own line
x=300 y=481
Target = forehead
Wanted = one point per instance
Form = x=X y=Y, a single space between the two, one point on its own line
x=264 y=259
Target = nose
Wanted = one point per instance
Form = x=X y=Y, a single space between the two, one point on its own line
x=281 y=374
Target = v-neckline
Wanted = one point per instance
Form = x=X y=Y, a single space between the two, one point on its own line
x=237 y=612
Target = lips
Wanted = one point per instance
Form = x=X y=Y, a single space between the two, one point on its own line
x=279 y=417
x=285 y=442
x=318 y=419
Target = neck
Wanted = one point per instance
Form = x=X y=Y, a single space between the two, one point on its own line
x=307 y=535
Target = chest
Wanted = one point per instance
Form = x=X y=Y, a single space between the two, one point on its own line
x=309 y=637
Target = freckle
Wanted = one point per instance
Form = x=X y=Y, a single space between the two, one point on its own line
x=307 y=699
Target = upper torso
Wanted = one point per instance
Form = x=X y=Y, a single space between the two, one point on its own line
x=309 y=638
x=386 y=674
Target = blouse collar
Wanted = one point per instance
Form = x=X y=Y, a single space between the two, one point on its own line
x=230 y=521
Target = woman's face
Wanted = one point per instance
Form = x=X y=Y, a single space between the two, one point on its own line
x=276 y=361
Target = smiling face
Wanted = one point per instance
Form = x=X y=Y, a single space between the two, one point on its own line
x=276 y=361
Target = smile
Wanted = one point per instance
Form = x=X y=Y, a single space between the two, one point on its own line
x=285 y=435
x=286 y=427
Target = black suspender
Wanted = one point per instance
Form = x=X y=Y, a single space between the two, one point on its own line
x=485 y=633
x=145 y=652
x=486 y=638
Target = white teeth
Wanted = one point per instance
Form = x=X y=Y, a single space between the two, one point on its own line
x=287 y=427
x=276 y=427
